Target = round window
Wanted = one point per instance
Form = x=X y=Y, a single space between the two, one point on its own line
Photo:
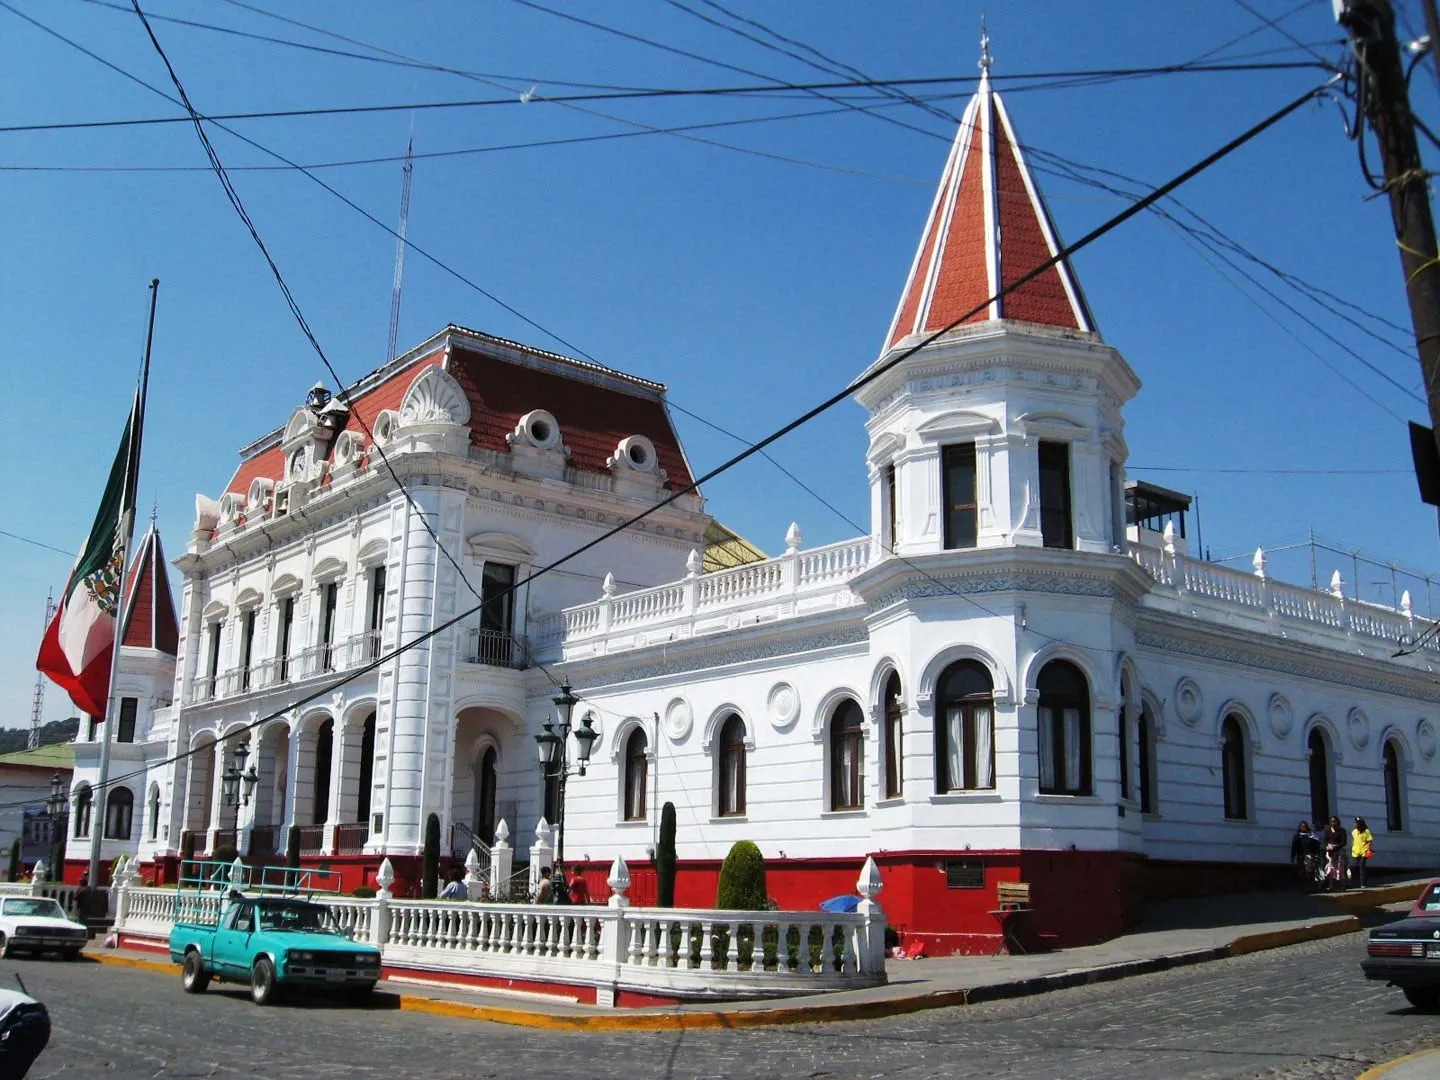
x=637 y=454
x=540 y=431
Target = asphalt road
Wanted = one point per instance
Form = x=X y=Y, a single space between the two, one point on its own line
x=1303 y=1013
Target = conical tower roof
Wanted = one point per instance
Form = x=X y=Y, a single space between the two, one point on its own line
x=150 y=609
x=988 y=227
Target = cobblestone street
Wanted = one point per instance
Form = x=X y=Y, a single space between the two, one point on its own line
x=1294 y=1014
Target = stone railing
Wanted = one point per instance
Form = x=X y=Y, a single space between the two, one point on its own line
x=1229 y=590
x=674 y=952
x=354 y=651
x=788 y=585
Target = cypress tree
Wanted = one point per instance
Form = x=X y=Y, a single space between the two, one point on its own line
x=430 y=869
x=665 y=857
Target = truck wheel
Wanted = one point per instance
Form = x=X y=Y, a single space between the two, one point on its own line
x=1426 y=998
x=193 y=976
x=264 y=990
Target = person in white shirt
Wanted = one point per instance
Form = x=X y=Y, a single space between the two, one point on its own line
x=24 y=1031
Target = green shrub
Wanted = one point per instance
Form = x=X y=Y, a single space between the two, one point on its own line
x=665 y=857
x=430 y=868
x=742 y=880
x=364 y=892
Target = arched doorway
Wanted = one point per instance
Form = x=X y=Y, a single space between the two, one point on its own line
x=1319 y=753
x=487 y=784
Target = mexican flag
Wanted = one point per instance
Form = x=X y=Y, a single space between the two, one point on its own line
x=80 y=642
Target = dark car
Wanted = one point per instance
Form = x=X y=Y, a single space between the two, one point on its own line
x=1407 y=953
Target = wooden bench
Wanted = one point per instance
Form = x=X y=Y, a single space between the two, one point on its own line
x=1012 y=900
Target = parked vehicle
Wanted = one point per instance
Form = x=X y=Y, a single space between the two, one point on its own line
x=35 y=924
x=1407 y=953
x=272 y=942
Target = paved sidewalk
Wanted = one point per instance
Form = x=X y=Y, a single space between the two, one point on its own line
x=1424 y=1065
x=1174 y=934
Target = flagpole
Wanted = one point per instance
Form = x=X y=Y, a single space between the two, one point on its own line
x=124 y=528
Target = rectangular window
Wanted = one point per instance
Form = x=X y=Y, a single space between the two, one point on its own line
x=961 y=516
x=329 y=601
x=282 y=643
x=1055 y=526
x=92 y=725
x=964 y=874
x=894 y=758
x=1062 y=762
x=377 y=609
x=212 y=665
x=892 y=509
x=247 y=647
x=1124 y=754
x=125 y=730
x=497 y=614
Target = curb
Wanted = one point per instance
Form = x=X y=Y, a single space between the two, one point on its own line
x=842 y=1011
x=1381 y=1070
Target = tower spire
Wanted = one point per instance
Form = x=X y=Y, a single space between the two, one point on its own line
x=988 y=227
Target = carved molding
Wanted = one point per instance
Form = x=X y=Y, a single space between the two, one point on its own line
x=434 y=398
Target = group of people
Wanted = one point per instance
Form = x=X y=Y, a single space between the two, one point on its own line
x=551 y=888
x=1330 y=858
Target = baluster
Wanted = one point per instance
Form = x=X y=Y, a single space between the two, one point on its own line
x=782 y=948
x=733 y=961
x=636 y=929
x=664 y=953
x=802 y=954
x=849 y=962
x=707 y=930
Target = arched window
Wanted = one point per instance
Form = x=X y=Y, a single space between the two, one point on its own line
x=731 y=800
x=487 y=782
x=894 y=739
x=84 y=799
x=1146 y=748
x=637 y=774
x=1064 y=717
x=324 y=749
x=119 y=810
x=1319 y=753
x=1233 y=766
x=154 y=811
x=847 y=756
x=964 y=728
x=367 y=771
x=1394 y=800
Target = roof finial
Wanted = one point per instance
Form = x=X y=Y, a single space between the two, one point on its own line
x=985 y=60
x=154 y=509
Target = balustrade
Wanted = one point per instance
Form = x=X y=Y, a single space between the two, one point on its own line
x=350 y=839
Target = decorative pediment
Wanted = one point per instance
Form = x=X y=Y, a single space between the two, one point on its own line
x=374 y=552
x=501 y=547
x=300 y=428
x=1056 y=424
x=434 y=398
x=959 y=424
x=885 y=445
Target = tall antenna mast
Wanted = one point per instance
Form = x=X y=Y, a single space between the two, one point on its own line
x=400 y=249
x=37 y=703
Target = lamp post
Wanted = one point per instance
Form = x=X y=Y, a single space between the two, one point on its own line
x=235 y=776
x=553 y=746
x=57 y=811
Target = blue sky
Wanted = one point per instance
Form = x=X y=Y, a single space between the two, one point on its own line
x=753 y=286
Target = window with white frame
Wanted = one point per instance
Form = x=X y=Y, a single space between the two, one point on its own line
x=1064 y=735
x=964 y=728
x=1234 y=768
x=894 y=738
x=1394 y=792
x=847 y=756
x=730 y=768
x=119 y=812
x=637 y=772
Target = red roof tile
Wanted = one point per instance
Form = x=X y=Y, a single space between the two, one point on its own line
x=150 y=616
x=987 y=228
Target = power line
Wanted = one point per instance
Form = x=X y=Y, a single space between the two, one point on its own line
x=759 y=447
x=37 y=543
x=1268 y=472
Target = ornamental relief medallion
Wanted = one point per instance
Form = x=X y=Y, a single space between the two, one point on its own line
x=1281 y=715
x=678 y=720
x=1358 y=725
x=1189 y=701
x=1425 y=739
x=782 y=706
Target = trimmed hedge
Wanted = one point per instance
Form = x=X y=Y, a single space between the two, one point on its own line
x=742 y=880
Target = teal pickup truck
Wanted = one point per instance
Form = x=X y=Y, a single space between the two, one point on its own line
x=271 y=943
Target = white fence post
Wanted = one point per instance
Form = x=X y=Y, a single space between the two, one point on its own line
x=542 y=853
x=37 y=878
x=871 y=953
x=502 y=860
x=614 y=932
x=473 y=885
x=380 y=924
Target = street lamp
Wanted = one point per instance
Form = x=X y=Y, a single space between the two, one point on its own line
x=235 y=775
x=56 y=810
x=552 y=745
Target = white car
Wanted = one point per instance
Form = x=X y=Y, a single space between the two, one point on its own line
x=35 y=924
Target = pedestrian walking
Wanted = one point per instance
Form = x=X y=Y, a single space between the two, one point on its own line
x=1335 y=843
x=1362 y=846
x=1305 y=855
x=579 y=891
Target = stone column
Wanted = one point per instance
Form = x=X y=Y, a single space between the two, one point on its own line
x=217 y=794
x=502 y=858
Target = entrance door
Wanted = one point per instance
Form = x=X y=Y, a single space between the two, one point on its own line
x=486 y=784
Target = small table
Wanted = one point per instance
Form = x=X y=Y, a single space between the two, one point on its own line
x=1008 y=918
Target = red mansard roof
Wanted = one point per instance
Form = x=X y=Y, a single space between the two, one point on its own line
x=988 y=227
x=150 y=612
x=593 y=413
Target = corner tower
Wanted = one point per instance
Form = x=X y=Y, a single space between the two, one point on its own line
x=997 y=419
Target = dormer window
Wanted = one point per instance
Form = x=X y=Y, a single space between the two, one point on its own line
x=537 y=428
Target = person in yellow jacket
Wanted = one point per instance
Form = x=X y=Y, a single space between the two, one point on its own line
x=1362 y=846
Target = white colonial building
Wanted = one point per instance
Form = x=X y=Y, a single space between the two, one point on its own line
x=1018 y=675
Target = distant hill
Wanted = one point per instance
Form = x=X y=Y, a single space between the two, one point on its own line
x=12 y=739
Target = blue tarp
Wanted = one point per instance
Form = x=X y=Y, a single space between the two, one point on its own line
x=841 y=904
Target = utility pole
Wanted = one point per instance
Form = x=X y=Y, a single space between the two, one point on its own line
x=1381 y=76
x=1432 y=27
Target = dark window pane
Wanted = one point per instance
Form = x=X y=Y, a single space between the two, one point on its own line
x=961 y=521
x=125 y=730
x=1055 y=525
